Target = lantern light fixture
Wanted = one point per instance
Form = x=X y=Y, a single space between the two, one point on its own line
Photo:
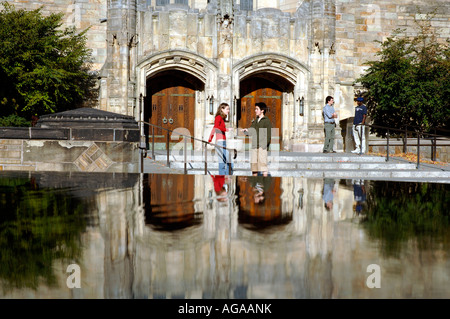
x=301 y=106
x=211 y=105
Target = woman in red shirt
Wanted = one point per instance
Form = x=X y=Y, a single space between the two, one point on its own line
x=225 y=165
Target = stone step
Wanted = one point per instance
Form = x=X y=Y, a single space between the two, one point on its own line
x=281 y=158
x=302 y=166
x=348 y=174
x=313 y=165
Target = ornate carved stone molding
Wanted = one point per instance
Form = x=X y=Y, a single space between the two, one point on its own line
x=178 y=60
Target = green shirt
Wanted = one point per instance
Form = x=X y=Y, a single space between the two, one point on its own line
x=261 y=133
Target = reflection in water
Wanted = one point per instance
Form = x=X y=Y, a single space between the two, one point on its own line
x=169 y=202
x=398 y=212
x=180 y=236
x=259 y=202
x=359 y=193
x=328 y=193
x=38 y=226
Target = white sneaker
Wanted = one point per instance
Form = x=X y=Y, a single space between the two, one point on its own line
x=355 y=151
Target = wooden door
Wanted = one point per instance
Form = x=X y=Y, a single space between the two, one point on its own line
x=169 y=201
x=172 y=108
x=272 y=97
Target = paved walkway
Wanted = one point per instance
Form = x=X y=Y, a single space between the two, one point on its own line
x=313 y=165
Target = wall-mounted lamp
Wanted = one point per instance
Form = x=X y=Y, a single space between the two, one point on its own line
x=211 y=105
x=301 y=105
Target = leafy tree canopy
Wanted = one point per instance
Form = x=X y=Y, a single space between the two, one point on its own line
x=410 y=82
x=44 y=68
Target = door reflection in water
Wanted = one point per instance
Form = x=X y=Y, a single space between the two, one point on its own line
x=193 y=236
x=259 y=202
x=169 y=202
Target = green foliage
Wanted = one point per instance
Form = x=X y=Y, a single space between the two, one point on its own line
x=402 y=211
x=14 y=120
x=43 y=67
x=37 y=228
x=410 y=83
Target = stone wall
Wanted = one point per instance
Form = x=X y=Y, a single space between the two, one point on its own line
x=318 y=46
x=66 y=150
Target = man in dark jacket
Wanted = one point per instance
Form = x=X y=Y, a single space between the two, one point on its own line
x=358 y=126
x=260 y=131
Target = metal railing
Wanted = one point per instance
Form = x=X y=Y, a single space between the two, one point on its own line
x=168 y=131
x=420 y=135
x=433 y=139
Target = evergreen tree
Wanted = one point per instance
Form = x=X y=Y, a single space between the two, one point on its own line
x=410 y=83
x=44 y=68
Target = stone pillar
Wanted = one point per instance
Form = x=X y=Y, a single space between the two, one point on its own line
x=119 y=71
x=322 y=64
x=225 y=24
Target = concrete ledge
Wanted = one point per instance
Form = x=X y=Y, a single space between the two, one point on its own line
x=69 y=155
x=17 y=167
x=33 y=133
x=85 y=139
x=74 y=134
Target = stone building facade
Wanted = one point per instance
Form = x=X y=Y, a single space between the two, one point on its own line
x=172 y=62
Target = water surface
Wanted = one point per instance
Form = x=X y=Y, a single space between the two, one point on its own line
x=192 y=236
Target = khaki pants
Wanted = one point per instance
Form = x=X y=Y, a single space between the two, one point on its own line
x=258 y=160
x=359 y=137
x=329 y=137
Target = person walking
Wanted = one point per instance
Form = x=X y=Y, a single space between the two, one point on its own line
x=261 y=134
x=219 y=130
x=358 y=126
x=329 y=116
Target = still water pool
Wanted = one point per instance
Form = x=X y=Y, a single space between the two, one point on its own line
x=101 y=236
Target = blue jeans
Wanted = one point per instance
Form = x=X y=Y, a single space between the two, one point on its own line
x=224 y=159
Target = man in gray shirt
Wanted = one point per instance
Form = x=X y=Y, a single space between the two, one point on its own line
x=329 y=116
x=328 y=193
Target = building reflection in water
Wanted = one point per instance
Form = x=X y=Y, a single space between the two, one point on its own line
x=182 y=236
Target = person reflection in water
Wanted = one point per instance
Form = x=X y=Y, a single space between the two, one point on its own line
x=260 y=184
x=220 y=187
x=359 y=193
x=328 y=193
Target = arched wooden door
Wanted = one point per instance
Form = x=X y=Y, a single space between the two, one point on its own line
x=172 y=107
x=260 y=90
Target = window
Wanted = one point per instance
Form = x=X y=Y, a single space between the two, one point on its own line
x=246 y=5
x=162 y=2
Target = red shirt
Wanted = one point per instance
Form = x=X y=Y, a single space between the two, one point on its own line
x=219 y=181
x=219 y=129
